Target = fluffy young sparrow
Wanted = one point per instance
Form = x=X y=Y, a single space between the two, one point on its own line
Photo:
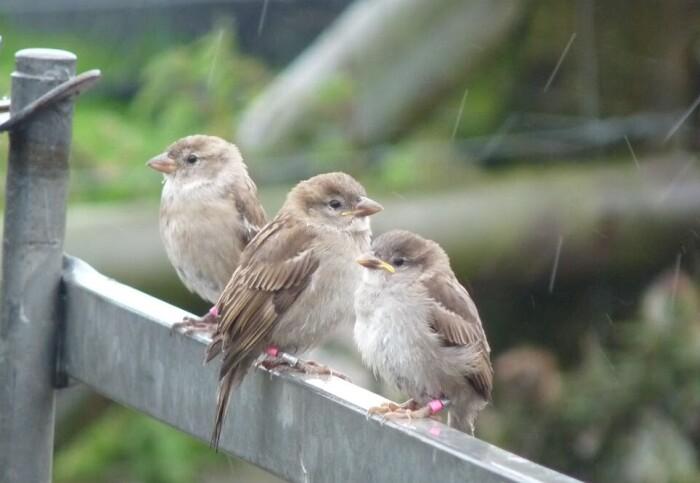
x=295 y=281
x=209 y=211
x=418 y=328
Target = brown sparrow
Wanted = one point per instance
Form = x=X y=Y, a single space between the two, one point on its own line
x=295 y=281
x=418 y=329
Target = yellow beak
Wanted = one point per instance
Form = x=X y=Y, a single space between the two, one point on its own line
x=375 y=263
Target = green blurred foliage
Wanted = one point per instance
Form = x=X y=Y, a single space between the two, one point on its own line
x=629 y=412
x=198 y=87
x=126 y=446
x=204 y=85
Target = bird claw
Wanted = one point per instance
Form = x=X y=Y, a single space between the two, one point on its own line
x=383 y=408
x=408 y=410
x=270 y=363
x=314 y=368
x=391 y=406
x=191 y=325
x=408 y=414
x=286 y=362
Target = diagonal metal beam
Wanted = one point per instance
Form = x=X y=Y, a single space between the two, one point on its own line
x=71 y=87
x=118 y=341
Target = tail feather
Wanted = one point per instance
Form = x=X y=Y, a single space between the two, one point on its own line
x=463 y=412
x=213 y=349
x=227 y=383
x=461 y=421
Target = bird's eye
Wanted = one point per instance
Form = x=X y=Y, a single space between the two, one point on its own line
x=335 y=204
x=191 y=158
x=398 y=261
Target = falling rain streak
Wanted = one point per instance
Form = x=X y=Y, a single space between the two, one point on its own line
x=215 y=57
x=676 y=274
x=263 y=16
x=683 y=118
x=673 y=183
x=555 y=266
x=459 y=114
x=634 y=156
x=613 y=370
x=559 y=62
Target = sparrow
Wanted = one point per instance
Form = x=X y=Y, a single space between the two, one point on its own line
x=419 y=329
x=295 y=281
x=209 y=212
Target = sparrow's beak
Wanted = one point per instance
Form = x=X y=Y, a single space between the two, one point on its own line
x=375 y=263
x=365 y=207
x=162 y=163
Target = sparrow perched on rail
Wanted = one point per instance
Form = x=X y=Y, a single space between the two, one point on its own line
x=209 y=211
x=418 y=328
x=295 y=281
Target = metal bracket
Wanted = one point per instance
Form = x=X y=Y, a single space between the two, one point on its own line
x=72 y=87
x=61 y=379
x=4 y=103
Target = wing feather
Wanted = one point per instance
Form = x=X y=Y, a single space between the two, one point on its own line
x=455 y=318
x=275 y=267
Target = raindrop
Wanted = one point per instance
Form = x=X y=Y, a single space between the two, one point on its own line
x=674 y=286
x=555 y=266
x=634 y=156
x=559 y=62
x=459 y=113
x=683 y=118
x=263 y=16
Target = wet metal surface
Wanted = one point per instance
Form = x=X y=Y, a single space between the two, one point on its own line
x=34 y=226
x=118 y=341
x=71 y=87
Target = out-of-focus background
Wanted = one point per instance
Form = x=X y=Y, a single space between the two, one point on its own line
x=550 y=147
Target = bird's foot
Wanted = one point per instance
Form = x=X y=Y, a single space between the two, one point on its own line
x=314 y=368
x=203 y=325
x=276 y=359
x=430 y=409
x=391 y=406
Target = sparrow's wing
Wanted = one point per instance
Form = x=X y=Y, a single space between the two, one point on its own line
x=455 y=318
x=278 y=261
x=274 y=268
x=252 y=214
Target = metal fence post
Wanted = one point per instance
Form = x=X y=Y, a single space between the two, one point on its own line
x=35 y=213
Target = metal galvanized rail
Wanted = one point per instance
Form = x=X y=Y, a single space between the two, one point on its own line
x=61 y=320
x=119 y=342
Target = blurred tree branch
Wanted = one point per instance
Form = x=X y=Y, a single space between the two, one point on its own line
x=380 y=63
x=616 y=219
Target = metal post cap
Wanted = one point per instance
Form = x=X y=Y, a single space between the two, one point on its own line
x=37 y=62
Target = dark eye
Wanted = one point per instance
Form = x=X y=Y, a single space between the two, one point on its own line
x=191 y=158
x=335 y=204
x=398 y=261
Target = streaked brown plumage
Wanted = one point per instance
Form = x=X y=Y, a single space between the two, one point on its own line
x=419 y=329
x=209 y=211
x=296 y=279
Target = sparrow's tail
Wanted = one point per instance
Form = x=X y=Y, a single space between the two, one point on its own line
x=461 y=421
x=213 y=349
x=227 y=383
x=463 y=412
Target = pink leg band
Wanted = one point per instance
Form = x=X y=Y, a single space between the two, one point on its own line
x=272 y=351
x=436 y=406
x=214 y=311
